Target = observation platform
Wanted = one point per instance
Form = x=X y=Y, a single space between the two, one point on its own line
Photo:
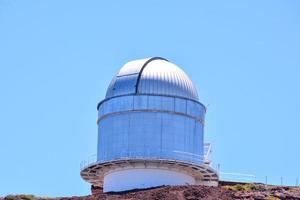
x=199 y=169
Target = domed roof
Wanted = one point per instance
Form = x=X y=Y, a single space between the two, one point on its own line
x=154 y=76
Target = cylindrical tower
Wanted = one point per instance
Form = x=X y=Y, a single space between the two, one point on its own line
x=150 y=130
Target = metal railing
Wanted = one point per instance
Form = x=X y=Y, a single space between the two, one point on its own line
x=207 y=151
x=251 y=178
x=237 y=177
x=145 y=155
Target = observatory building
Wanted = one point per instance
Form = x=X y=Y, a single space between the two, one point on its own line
x=150 y=130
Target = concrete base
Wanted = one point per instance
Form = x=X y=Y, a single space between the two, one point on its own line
x=208 y=183
x=96 y=190
x=128 y=179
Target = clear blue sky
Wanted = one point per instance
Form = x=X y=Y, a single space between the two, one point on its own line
x=57 y=58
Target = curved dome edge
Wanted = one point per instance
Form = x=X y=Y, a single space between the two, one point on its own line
x=131 y=80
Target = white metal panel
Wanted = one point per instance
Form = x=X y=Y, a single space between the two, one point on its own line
x=128 y=179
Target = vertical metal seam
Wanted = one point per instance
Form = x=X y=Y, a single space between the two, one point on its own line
x=161 y=133
x=142 y=69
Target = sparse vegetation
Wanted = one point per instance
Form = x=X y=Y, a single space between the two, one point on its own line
x=20 y=197
x=244 y=187
x=24 y=197
x=272 y=198
x=294 y=189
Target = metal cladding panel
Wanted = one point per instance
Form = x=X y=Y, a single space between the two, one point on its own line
x=143 y=138
x=150 y=135
x=180 y=105
x=165 y=78
x=124 y=85
x=140 y=102
x=193 y=108
x=152 y=103
x=116 y=105
x=168 y=103
x=113 y=138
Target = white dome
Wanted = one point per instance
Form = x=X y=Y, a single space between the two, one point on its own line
x=154 y=76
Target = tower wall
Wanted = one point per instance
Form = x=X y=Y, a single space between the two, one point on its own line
x=150 y=127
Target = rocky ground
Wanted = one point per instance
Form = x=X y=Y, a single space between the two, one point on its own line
x=225 y=192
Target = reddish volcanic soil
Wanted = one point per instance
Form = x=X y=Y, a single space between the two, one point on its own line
x=173 y=193
x=227 y=192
